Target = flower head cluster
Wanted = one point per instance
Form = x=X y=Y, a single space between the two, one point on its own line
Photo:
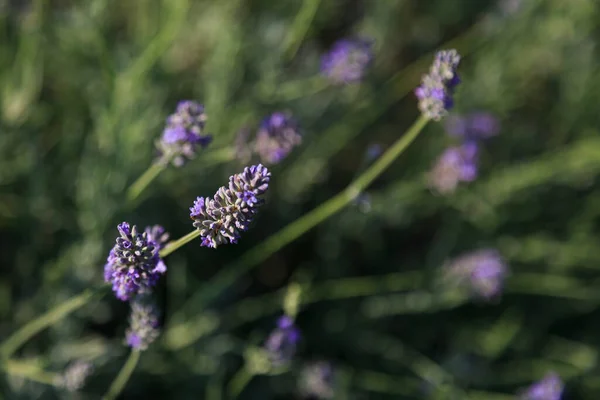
x=549 y=388
x=483 y=271
x=475 y=126
x=456 y=164
x=223 y=218
x=183 y=133
x=347 y=60
x=437 y=87
x=276 y=137
x=282 y=342
x=133 y=265
x=317 y=380
x=143 y=325
x=74 y=376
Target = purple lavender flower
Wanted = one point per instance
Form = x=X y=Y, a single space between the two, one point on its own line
x=347 y=60
x=483 y=271
x=475 y=126
x=74 y=376
x=277 y=136
x=437 y=87
x=143 y=324
x=317 y=380
x=183 y=133
x=456 y=164
x=281 y=343
x=221 y=219
x=549 y=388
x=133 y=265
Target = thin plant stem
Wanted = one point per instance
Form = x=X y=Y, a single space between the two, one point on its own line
x=175 y=244
x=144 y=180
x=262 y=251
x=239 y=381
x=31 y=372
x=300 y=27
x=120 y=381
x=17 y=339
x=292 y=90
x=209 y=158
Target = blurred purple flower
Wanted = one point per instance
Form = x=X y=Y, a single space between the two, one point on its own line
x=317 y=380
x=281 y=343
x=74 y=376
x=483 y=271
x=221 y=219
x=437 y=87
x=549 y=388
x=277 y=136
x=475 y=126
x=456 y=164
x=134 y=265
x=347 y=60
x=183 y=133
x=373 y=151
x=143 y=324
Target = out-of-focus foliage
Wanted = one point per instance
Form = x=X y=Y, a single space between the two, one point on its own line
x=85 y=87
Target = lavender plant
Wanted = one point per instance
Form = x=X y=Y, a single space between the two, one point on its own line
x=183 y=134
x=482 y=271
x=548 y=388
x=143 y=324
x=282 y=342
x=212 y=58
x=347 y=60
x=222 y=219
x=134 y=265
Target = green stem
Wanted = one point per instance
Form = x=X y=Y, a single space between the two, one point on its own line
x=121 y=380
x=293 y=89
x=300 y=27
x=174 y=245
x=217 y=156
x=239 y=381
x=17 y=339
x=31 y=372
x=209 y=158
x=144 y=180
x=302 y=225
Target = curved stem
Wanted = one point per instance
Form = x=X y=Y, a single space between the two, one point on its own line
x=31 y=372
x=17 y=339
x=262 y=251
x=239 y=381
x=144 y=180
x=300 y=27
x=121 y=380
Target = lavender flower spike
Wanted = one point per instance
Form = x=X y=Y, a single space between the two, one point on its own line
x=133 y=265
x=143 y=325
x=437 y=87
x=183 y=133
x=223 y=218
x=347 y=60
x=549 y=388
x=317 y=380
x=281 y=343
x=483 y=271
x=74 y=376
x=276 y=138
x=456 y=164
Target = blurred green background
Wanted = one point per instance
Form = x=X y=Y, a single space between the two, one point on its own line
x=85 y=87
